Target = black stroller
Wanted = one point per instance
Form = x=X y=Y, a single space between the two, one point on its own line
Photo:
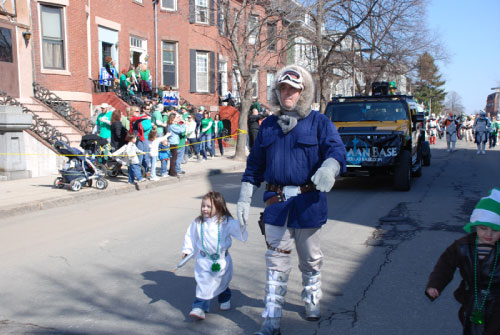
x=99 y=151
x=78 y=171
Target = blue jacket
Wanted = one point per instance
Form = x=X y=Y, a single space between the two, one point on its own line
x=175 y=130
x=163 y=151
x=292 y=159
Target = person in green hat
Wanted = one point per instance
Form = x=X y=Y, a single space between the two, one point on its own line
x=392 y=88
x=476 y=255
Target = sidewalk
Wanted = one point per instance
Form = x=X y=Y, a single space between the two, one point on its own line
x=28 y=195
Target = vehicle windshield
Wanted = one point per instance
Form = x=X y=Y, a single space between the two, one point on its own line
x=367 y=111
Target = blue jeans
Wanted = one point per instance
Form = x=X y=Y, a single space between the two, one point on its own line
x=212 y=146
x=143 y=159
x=134 y=172
x=154 y=159
x=221 y=147
x=180 y=158
x=164 y=170
x=205 y=304
x=205 y=144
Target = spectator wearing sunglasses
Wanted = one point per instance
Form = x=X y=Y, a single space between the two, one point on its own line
x=298 y=153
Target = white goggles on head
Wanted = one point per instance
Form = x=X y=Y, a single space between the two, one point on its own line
x=292 y=78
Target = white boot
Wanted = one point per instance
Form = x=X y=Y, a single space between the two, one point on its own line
x=312 y=294
x=270 y=326
x=275 y=299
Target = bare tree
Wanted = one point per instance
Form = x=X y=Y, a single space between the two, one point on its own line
x=334 y=23
x=251 y=37
x=453 y=103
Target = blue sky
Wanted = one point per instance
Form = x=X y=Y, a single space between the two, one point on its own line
x=470 y=31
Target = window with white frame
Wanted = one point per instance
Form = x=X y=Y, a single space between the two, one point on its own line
x=169 y=56
x=169 y=4
x=253 y=29
x=269 y=85
x=255 y=83
x=51 y=21
x=201 y=11
x=202 y=72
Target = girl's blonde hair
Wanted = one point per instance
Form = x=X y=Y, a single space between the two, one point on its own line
x=219 y=204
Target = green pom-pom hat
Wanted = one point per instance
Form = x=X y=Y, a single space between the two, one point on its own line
x=486 y=212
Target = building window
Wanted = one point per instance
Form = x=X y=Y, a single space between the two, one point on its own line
x=5 y=45
x=202 y=71
x=269 y=85
x=253 y=29
x=271 y=37
x=136 y=42
x=169 y=4
x=201 y=11
x=169 y=53
x=255 y=83
x=138 y=50
x=52 y=37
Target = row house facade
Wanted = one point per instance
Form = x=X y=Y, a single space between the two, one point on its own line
x=179 y=40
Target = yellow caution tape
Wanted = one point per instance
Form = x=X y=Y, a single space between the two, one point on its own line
x=239 y=131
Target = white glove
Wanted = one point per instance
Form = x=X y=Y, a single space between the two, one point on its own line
x=243 y=205
x=324 y=178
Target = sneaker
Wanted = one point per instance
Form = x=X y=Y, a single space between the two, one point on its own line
x=181 y=172
x=478 y=152
x=448 y=150
x=483 y=152
x=137 y=187
x=164 y=176
x=154 y=179
x=142 y=180
x=197 y=313
x=225 y=306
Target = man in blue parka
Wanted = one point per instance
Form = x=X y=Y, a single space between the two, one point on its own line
x=298 y=153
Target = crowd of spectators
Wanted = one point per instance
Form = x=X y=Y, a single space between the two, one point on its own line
x=165 y=136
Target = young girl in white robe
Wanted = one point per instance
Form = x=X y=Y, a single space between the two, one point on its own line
x=209 y=237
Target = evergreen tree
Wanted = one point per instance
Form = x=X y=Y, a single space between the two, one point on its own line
x=429 y=84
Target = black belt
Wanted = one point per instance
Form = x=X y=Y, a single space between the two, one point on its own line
x=279 y=197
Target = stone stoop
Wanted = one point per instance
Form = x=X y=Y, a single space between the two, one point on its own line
x=74 y=135
x=111 y=99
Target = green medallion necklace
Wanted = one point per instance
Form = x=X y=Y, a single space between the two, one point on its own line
x=477 y=315
x=213 y=257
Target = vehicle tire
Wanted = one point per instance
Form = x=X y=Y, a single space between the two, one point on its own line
x=59 y=182
x=402 y=173
x=418 y=172
x=143 y=171
x=101 y=184
x=101 y=169
x=75 y=185
x=115 y=171
x=426 y=153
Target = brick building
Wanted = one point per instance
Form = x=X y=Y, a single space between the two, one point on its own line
x=70 y=40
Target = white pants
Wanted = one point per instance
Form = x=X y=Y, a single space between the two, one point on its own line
x=306 y=241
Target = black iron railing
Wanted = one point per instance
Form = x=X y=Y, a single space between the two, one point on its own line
x=133 y=100
x=38 y=125
x=63 y=108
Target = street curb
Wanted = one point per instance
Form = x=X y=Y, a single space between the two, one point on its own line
x=72 y=198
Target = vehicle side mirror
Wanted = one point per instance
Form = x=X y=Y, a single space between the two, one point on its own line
x=417 y=118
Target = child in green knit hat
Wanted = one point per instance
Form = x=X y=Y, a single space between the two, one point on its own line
x=476 y=255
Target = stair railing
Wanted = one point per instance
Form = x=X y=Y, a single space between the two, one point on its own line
x=39 y=126
x=63 y=108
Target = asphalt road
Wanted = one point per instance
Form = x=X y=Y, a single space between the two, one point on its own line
x=104 y=266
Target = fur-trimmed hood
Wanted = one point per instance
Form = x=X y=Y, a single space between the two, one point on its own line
x=303 y=106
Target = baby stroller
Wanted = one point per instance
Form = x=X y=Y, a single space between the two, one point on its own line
x=99 y=149
x=78 y=171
